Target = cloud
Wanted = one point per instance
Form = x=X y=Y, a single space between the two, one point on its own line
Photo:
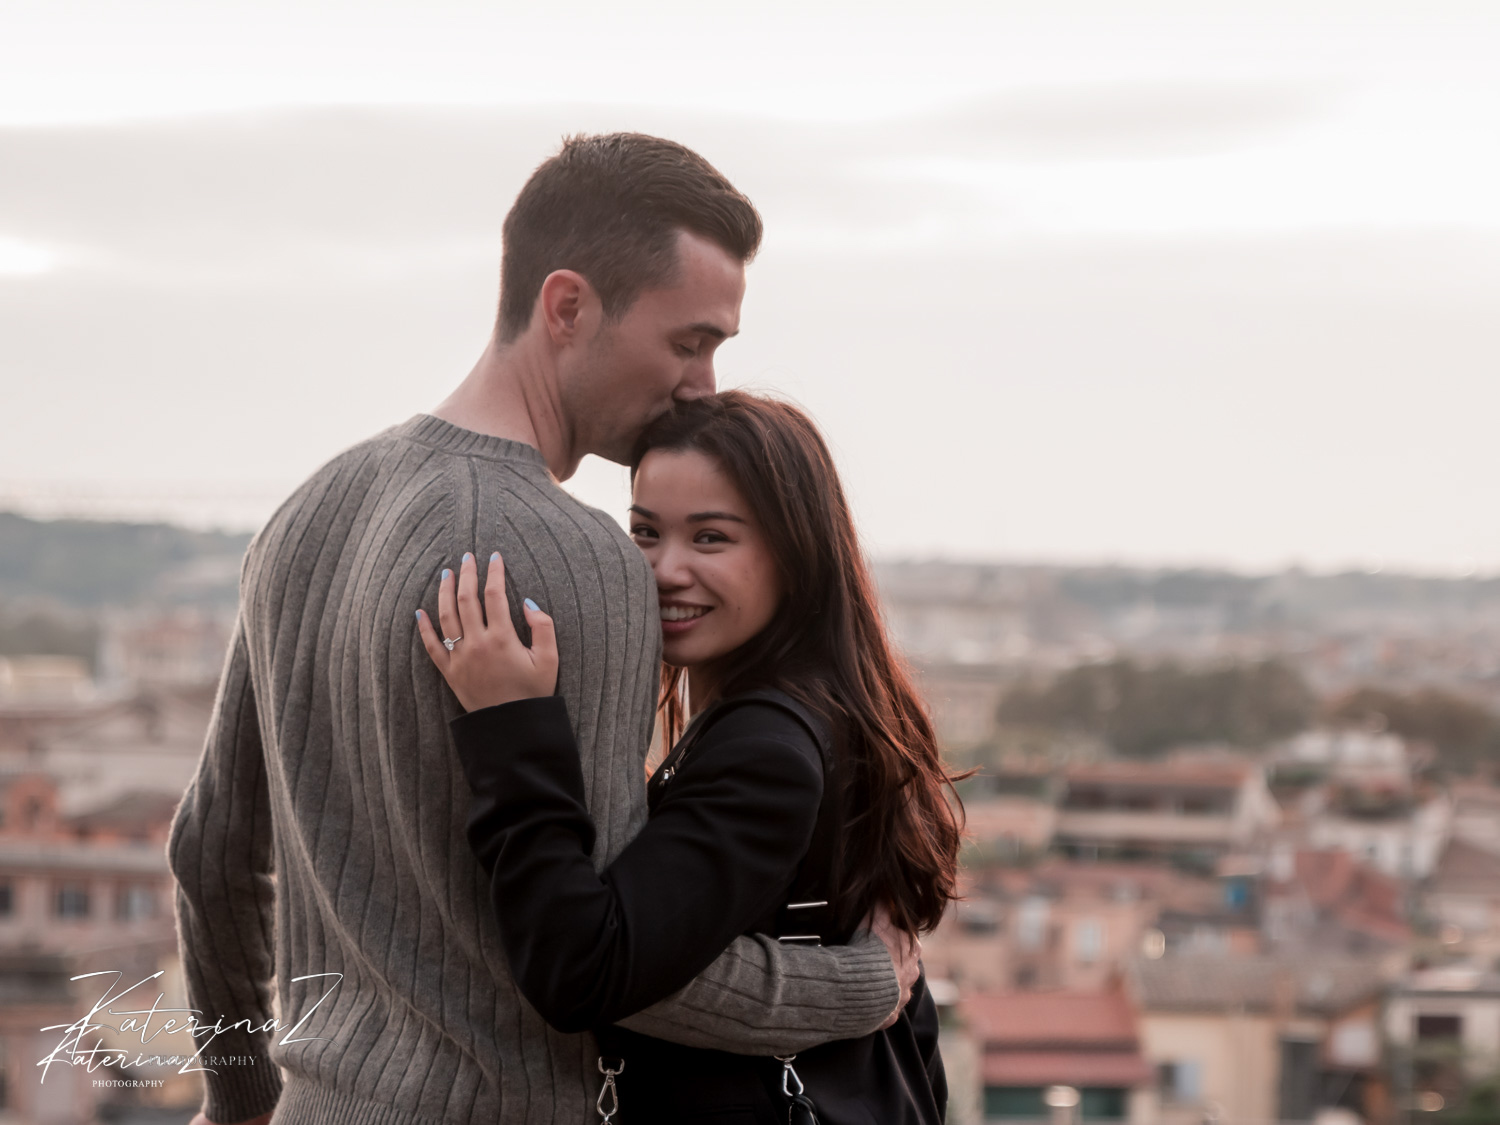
x=19 y=258
x=1117 y=121
x=327 y=196
x=238 y=297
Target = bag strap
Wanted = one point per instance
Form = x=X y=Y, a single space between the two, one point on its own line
x=706 y=718
x=808 y=915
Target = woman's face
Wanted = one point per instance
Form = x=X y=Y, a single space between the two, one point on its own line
x=715 y=574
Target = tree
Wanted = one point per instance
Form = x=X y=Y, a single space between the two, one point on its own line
x=1464 y=733
x=1142 y=710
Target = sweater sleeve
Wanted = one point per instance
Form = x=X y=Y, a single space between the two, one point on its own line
x=219 y=851
x=761 y=997
x=720 y=848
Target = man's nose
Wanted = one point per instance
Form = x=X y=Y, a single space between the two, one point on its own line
x=699 y=382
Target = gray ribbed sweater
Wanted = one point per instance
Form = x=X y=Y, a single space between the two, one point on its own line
x=324 y=830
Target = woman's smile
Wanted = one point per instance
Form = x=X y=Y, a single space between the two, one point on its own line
x=716 y=579
x=678 y=619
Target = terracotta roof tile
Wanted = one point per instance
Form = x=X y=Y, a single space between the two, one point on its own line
x=1017 y=1019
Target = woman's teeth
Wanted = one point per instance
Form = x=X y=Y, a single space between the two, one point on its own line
x=682 y=612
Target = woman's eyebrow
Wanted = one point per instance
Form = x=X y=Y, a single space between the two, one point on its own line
x=696 y=517
x=699 y=517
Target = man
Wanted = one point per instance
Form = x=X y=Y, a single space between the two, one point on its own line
x=322 y=839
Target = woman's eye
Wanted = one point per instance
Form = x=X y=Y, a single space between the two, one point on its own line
x=711 y=537
x=641 y=531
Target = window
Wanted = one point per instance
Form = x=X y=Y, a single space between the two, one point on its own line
x=1102 y=1104
x=135 y=902
x=1180 y=1081
x=1088 y=941
x=1015 y=1101
x=1439 y=1029
x=1031 y=923
x=1236 y=893
x=72 y=901
x=1300 y=1088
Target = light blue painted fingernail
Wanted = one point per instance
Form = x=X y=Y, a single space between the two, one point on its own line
x=467 y=556
x=419 y=615
x=495 y=557
x=532 y=605
x=447 y=574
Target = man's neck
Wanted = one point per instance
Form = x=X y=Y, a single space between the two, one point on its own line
x=512 y=393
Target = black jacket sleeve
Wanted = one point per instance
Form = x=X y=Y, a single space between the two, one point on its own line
x=722 y=845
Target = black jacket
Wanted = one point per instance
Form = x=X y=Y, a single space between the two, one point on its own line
x=734 y=811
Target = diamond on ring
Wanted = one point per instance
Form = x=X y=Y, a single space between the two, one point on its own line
x=447 y=644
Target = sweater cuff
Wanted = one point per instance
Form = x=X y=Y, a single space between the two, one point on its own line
x=236 y=1093
x=481 y=736
x=867 y=986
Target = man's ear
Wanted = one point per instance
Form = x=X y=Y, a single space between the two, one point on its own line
x=568 y=306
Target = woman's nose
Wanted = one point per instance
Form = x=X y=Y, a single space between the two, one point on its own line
x=669 y=564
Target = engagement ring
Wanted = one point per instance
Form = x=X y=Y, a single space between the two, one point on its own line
x=447 y=644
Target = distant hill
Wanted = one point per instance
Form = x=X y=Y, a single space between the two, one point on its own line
x=87 y=564
x=1340 y=631
x=1199 y=600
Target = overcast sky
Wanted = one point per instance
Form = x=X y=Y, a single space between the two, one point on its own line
x=1144 y=282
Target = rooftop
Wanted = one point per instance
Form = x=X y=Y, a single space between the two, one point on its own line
x=1199 y=775
x=1467 y=869
x=129 y=811
x=1051 y=1020
x=1352 y=893
x=1205 y=983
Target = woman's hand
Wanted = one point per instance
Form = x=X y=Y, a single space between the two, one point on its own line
x=487 y=663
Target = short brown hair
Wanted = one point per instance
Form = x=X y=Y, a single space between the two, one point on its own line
x=610 y=207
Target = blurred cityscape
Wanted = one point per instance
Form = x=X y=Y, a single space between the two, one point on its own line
x=1234 y=847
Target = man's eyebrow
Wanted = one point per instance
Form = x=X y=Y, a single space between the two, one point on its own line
x=706 y=329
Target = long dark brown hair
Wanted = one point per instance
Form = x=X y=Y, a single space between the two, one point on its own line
x=827 y=646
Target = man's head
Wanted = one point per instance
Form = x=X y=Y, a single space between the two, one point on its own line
x=625 y=255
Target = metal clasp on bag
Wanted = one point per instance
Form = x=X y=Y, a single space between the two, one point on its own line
x=609 y=1088
x=788 y=1076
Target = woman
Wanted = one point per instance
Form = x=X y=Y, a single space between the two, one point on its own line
x=806 y=792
